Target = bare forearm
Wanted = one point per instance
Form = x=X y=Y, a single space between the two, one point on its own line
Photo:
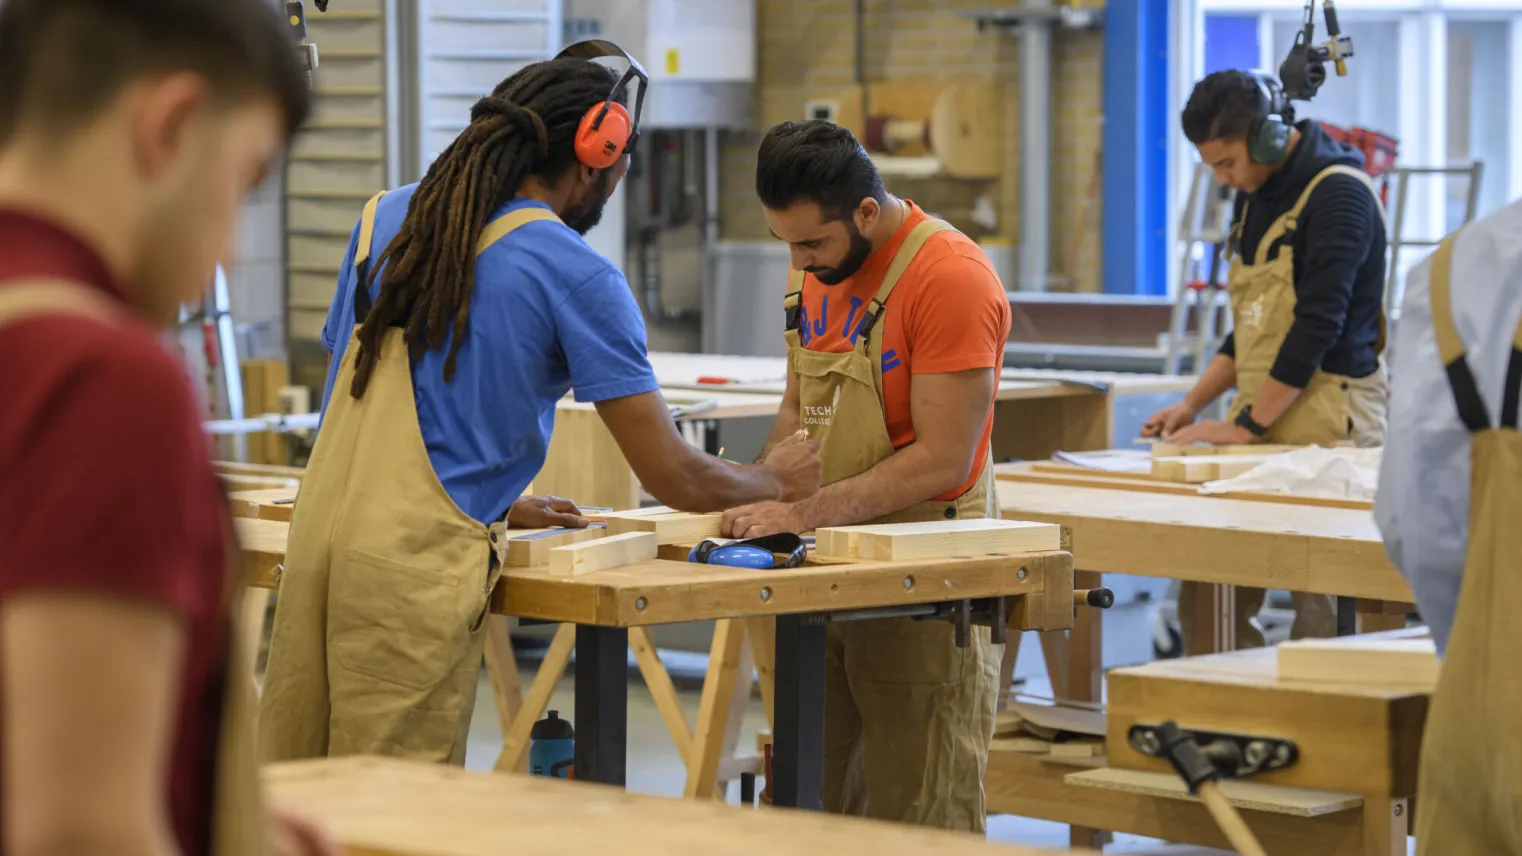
x=1219 y=376
x=789 y=419
x=1272 y=400
x=911 y=475
x=702 y=483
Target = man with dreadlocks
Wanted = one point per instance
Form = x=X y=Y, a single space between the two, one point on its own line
x=483 y=308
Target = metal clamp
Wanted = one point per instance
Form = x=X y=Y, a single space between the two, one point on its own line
x=1231 y=756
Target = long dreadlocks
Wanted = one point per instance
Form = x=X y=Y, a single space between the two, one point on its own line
x=526 y=127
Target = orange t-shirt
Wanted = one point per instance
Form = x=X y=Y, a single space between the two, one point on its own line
x=949 y=313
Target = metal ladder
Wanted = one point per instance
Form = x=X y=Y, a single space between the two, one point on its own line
x=1401 y=177
x=1206 y=220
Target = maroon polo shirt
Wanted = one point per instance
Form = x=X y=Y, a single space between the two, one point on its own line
x=106 y=487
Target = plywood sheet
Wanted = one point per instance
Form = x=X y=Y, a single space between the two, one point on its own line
x=1252 y=796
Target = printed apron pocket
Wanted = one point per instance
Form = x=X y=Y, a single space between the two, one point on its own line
x=399 y=623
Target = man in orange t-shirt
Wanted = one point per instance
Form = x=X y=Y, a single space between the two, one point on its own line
x=896 y=326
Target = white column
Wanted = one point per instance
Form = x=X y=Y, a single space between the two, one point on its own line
x=1513 y=167
x=1267 y=60
x=1423 y=130
x=1188 y=49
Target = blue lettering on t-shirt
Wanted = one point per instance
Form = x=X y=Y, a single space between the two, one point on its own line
x=860 y=325
x=851 y=316
x=824 y=313
x=890 y=361
x=803 y=325
x=548 y=314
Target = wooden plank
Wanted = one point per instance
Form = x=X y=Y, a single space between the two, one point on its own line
x=1352 y=738
x=600 y=554
x=670 y=527
x=761 y=634
x=1078 y=749
x=1197 y=469
x=267 y=471
x=1253 y=796
x=1379 y=662
x=904 y=541
x=1060 y=474
x=1206 y=539
x=1173 y=450
x=514 y=755
x=502 y=669
x=1061 y=718
x=718 y=689
x=662 y=690
x=936 y=539
x=375 y=806
x=523 y=548
x=1033 y=786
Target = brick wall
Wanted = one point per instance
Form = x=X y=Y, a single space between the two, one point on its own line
x=807 y=51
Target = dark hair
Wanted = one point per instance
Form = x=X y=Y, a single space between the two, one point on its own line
x=819 y=162
x=63 y=61
x=527 y=126
x=1224 y=106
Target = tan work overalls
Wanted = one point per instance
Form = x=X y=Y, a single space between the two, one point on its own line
x=908 y=715
x=1331 y=408
x=1470 y=787
x=379 y=625
x=239 y=826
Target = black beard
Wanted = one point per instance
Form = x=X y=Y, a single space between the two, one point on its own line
x=855 y=257
x=585 y=216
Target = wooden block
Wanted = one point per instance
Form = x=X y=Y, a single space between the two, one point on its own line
x=637 y=513
x=1174 y=450
x=1029 y=745
x=1196 y=469
x=603 y=553
x=1253 y=796
x=937 y=539
x=671 y=527
x=1381 y=662
x=527 y=547
x=932 y=540
x=1078 y=748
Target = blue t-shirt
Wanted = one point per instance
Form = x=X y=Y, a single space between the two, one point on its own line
x=548 y=314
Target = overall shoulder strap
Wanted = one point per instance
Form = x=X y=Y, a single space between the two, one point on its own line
x=21 y=301
x=1466 y=394
x=918 y=237
x=793 y=299
x=1293 y=216
x=362 y=259
x=499 y=228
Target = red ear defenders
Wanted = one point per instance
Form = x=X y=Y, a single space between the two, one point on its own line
x=608 y=132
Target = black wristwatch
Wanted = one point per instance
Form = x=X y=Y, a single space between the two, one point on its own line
x=1245 y=420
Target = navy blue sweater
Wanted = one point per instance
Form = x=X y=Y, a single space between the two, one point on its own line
x=1339 y=250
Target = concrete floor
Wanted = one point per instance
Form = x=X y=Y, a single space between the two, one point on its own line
x=655 y=768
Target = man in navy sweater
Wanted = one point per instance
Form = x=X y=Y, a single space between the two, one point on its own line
x=1307 y=253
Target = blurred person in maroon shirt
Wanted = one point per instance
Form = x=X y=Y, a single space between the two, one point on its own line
x=130 y=132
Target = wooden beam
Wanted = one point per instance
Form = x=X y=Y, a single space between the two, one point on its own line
x=603 y=553
x=525 y=548
x=718 y=690
x=514 y=755
x=936 y=539
x=662 y=690
x=1382 y=662
x=672 y=527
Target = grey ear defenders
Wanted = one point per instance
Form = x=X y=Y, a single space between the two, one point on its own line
x=1268 y=138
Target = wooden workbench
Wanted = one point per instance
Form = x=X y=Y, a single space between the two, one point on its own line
x=1128 y=525
x=377 y=806
x=604 y=606
x=1348 y=793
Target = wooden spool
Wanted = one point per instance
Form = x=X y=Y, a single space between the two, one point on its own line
x=960 y=124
